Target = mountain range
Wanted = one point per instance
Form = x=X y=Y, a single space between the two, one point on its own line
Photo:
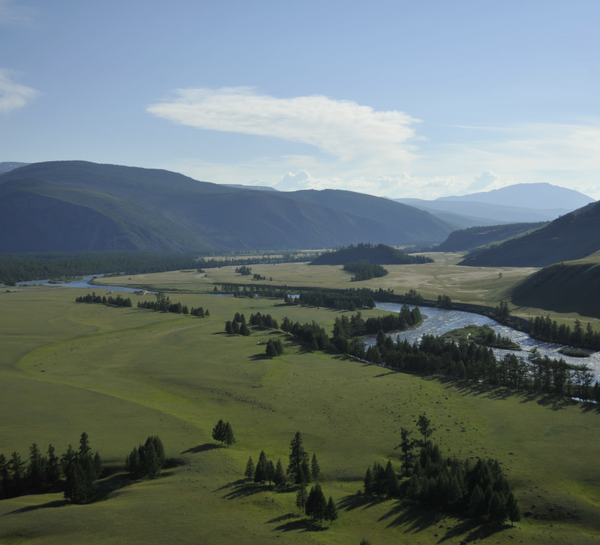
x=78 y=205
x=519 y=203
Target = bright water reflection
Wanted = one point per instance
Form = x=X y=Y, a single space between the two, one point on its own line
x=438 y=321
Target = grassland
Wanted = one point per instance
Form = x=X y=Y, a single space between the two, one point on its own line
x=123 y=374
x=483 y=285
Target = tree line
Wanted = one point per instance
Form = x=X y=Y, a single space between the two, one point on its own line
x=547 y=330
x=43 y=473
x=476 y=363
x=346 y=300
x=117 y=301
x=364 y=270
x=311 y=333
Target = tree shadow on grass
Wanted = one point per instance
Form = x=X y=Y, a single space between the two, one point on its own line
x=589 y=407
x=241 y=489
x=29 y=508
x=259 y=357
x=472 y=530
x=297 y=523
x=106 y=487
x=202 y=448
x=358 y=501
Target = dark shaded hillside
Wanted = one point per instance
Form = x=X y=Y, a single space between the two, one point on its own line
x=570 y=237
x=376 y=255
x=563 y=287
x=475 y=237
x=75 y=205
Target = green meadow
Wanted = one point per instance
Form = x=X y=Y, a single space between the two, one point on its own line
x=121 y=374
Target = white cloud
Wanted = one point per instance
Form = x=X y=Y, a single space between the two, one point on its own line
x=483 y=181
x=341 y=128
x=13 y=95
x=12 y=14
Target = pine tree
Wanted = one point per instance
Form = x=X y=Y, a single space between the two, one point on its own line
x=270 y=472
x=132 y=462
x=301 y=497
x=4 y=477
x=368 y=481
x=17 y=474
x=316 y=503
x=331 y=513
x=476 y=503
x=407 y=445
x=315 y=470
x=219 y=431
x=279 y=477
x=151 y=462
x=84 y=445
x=425 y=429
x=52 y=473
x=261 y=468
x=35 y=471
x=512 y=507
x=229 y=437
x=228 y=327
x=298 y=457
x=235 y=327
x=97 y=465
x=244 y=330
x=249 y=472
x=393 y=486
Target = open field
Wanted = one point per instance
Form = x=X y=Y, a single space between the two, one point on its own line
x=478 y=285
x=123 y=374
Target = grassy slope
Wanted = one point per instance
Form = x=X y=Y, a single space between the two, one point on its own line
x=573 y=286
x=122 y=374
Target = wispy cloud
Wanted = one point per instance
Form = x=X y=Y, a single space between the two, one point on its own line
x=12 y=14
x=13 y=95
x=343 y=129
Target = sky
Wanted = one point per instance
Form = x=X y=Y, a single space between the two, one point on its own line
x=418 y=99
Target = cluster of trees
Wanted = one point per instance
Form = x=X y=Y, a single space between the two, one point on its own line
x=311 y=333
x=199 y=312
x=259 y=277
x=545 y=329
x=479 y=490
x=237 y=326
x=469 y=361
x=253 y=291
x=274 y=348
x=163 y=304
x=486 y=336
x=223 y=432
x=443 y=301
x=147 y=459
x=263 y=320
x=41 y=475
x=366 y=251
x=117 y=301
x=315 y=505
x=40 y=265
x=244 y=270
x=364 y=270
x=343 y=300
x=345 y=330
x=265 y=471
x=285 y=258
x=80 y=468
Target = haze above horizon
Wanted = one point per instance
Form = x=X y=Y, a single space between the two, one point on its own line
x=397 y=99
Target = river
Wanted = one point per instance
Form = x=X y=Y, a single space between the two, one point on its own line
x=84 y=283
x=438 y=321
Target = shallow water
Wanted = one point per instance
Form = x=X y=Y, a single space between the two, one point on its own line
x=84 y=283
x=438 y=321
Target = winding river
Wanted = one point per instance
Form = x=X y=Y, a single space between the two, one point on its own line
x=436 y=322
x=439 y=321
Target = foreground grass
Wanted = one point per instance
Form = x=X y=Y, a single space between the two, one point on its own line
x=123 y=374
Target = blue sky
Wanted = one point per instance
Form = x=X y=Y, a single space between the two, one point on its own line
x=402 y=99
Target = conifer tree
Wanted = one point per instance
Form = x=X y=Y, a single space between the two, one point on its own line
x=316 y=503
x=249 y=472
x=270 y=472
x=219 y=431
x=4 y=477
x=512 y=508
x=35 y=471
x=368 y=481
x=151 y=462
x=261 y=468
x=298 y=458
x=279 y=476
x=16 y=474
x=52 y=473
x=235 y=327
x=315 y=469
x=301 y=497
x=331 y=513
x=407 y=446
x=229 y=437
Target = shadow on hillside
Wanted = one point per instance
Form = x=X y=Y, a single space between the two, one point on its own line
x=296 y=523
x=551 y=401
x=472 y=530
x=202 y=448
x=241 y=489
x=29 y=508
x=113 y=483
x=589 y=407
x=259 y=357
x=358 y=501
